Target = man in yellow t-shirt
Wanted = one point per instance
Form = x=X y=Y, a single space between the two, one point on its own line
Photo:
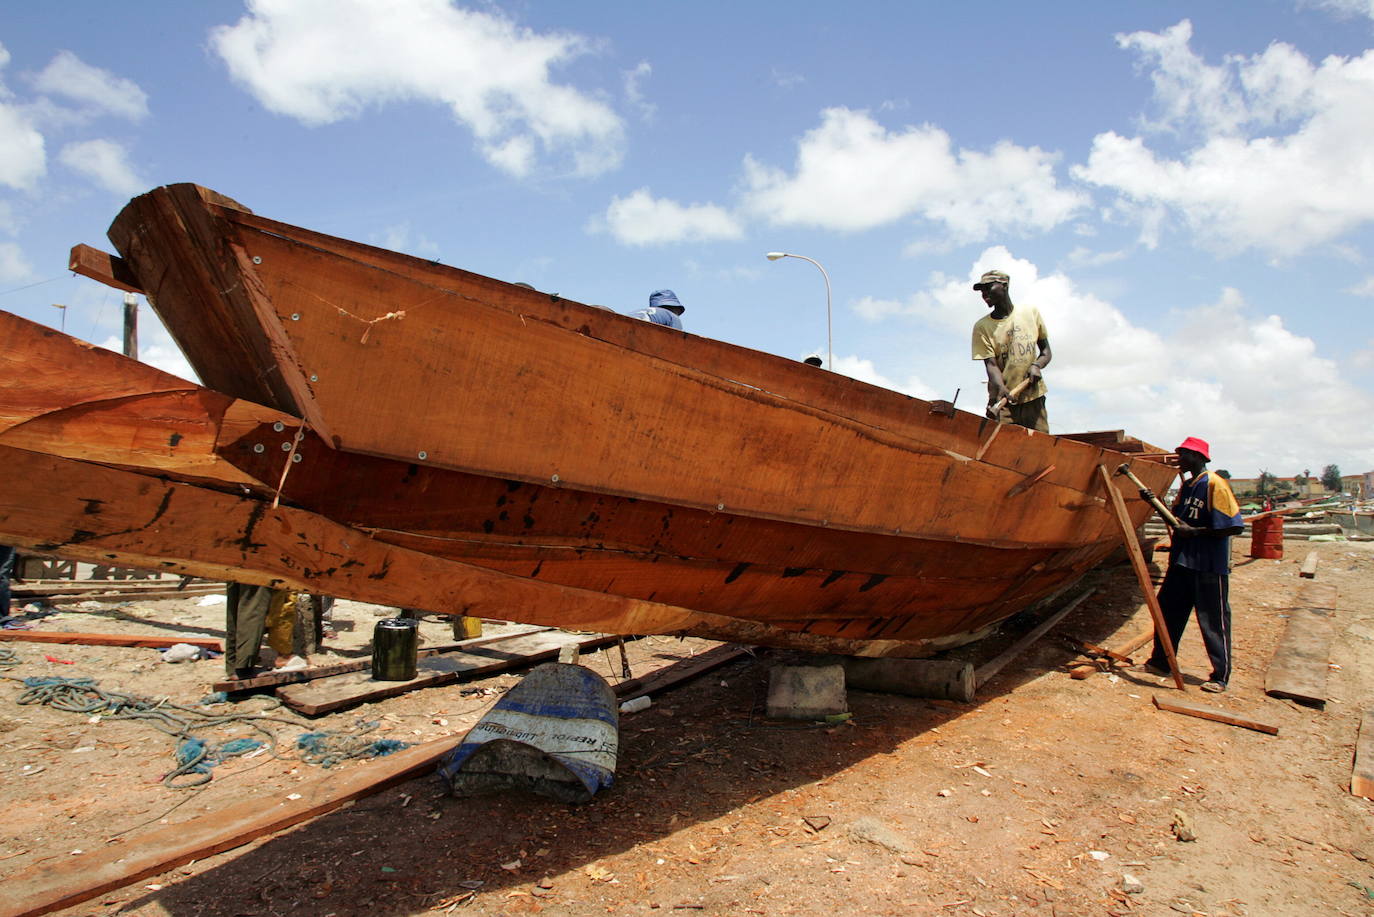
x=1015 y=347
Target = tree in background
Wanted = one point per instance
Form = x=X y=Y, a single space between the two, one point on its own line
x=1331 y=478
x=1301 y=479
x=1266 y=483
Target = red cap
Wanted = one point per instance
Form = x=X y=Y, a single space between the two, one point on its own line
x=1196 y=445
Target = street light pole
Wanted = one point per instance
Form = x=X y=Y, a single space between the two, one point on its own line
x=829 y=336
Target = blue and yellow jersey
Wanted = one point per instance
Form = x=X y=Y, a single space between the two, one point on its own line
x=1206 y=503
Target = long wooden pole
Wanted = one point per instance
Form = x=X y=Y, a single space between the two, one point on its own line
x=1141 y=573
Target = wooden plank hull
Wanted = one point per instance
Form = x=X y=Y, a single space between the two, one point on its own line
x=468 y=421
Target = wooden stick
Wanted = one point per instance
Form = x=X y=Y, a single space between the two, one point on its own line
x=994 y=665
x=1309 y=566
x=1362 y=771
x=1188 y=708
x=1137 y=642
x=1142 y=574
x=54 y=636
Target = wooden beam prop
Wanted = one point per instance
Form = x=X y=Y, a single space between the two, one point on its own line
x=69 y=880
x=1300 y=665
x=1136 y=642
x=1187 y=708
x=1142 y=573
x=1362 y=773
x=46 y=636
x=111 y=270
x=1309 y=566
x=336 y=692
x=984 y=672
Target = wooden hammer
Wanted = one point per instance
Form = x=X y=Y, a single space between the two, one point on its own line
x=1125 y=468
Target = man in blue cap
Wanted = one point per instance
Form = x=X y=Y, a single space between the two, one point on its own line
x=664 y=309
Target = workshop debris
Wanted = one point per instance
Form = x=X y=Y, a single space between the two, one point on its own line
x=806 y=692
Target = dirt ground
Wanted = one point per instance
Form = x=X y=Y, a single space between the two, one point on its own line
x=1047 y=796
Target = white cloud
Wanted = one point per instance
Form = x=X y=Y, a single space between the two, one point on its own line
x=642 y=219
x=1363 y=288
x=865 y=371
x=852 y=174
x=1086 y=257
x=104 y=162
x=322 y=61
x=1345 y=8
x=402 y=238
x=633 y=92
x=98 y=90
x=22 y=157
x=1282 y=154
x=14 y=267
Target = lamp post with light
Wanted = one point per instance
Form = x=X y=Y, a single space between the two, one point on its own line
x=829 y=338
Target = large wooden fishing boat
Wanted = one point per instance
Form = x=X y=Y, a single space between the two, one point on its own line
x=381 y=427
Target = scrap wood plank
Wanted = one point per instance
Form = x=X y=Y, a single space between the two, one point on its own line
x=110 y=270
x=69 y=880
x=678 y=672
x=1299 y=668
x=55 y=636
x=273 y=679
x=1309 y=566
x=148 y=595
x=1188 y=708
x=332 y=693
x=1362 y=774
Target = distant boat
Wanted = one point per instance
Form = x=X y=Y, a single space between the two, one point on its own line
x=471 y=446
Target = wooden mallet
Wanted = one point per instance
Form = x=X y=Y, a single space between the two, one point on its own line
x=1125 y=468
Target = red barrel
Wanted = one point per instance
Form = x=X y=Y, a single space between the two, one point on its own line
x=1266 y=537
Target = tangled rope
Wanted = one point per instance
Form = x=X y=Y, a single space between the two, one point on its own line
x=330 y=748
x=194 y=756
x=8 y=657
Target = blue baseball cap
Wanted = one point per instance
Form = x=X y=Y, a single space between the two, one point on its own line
x=666 y=299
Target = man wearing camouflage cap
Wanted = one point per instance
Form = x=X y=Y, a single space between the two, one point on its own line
x=1015 y=349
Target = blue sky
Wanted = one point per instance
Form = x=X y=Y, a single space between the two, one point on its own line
x=1185 y=190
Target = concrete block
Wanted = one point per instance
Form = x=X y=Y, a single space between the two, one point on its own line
x=801 y=692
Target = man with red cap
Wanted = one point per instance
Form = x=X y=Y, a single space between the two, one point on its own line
x=1199 y=573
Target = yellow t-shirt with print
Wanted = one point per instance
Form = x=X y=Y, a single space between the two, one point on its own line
x=1014 y=342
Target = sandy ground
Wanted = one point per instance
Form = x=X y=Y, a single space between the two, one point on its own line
x=1046 y=796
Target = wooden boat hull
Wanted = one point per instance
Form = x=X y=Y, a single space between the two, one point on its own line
x=479 y=423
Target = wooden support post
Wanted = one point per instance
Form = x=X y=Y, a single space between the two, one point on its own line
x=1141 y=573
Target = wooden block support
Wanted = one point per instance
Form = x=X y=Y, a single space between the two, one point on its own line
x=1362 y=775
x=1309 y=566
x=1187 y=708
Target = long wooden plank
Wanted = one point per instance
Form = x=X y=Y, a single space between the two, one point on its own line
x=1300 y=665
x=1187 y=708
x=339 y=691
x=675 y=674
x=52 y=636
x=1142 y=573
x=65 y=881
x=273 y=679
x=990 y=668
x=1362 y=772
x=64 y=601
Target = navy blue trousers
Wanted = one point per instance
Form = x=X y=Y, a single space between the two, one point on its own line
x=1185 y=591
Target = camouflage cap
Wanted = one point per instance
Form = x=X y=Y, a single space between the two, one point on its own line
x=991 y=277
